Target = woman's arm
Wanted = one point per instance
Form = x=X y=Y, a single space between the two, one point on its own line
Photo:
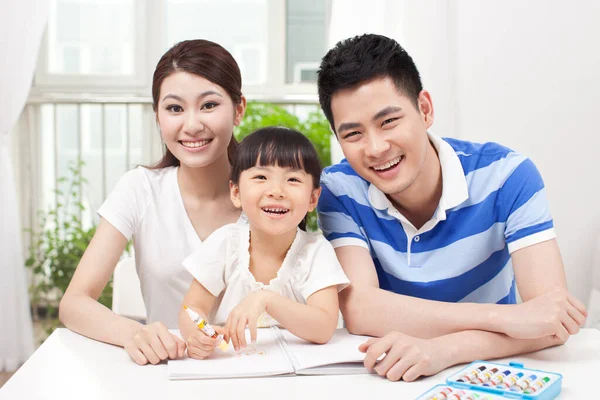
x=80 y=311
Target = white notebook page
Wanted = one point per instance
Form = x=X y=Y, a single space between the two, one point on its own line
x=268 y=359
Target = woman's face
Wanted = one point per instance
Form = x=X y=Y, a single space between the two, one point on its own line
x=196 y=118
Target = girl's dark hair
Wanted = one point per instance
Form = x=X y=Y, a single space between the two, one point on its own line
x=206 y=59
x=276 y=145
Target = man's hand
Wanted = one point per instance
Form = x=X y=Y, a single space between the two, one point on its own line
x=406 y=357
x=245 y=313
x=556 y=313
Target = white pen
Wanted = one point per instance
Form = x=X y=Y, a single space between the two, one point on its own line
x=206 y=328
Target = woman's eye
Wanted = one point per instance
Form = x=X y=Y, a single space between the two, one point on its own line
x=174 y=108
x=209 y=106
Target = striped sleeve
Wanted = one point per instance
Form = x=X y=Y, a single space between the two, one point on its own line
x=525 y=206
x=336 y=222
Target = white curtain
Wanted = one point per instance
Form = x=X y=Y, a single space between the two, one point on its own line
x=22 y=24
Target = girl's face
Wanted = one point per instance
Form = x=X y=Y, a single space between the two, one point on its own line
x=275 y=199
x=196 y=118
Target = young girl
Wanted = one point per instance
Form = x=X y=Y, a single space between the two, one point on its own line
x=168 y=209
x=269 y=271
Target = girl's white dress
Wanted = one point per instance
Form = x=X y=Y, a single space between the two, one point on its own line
x=221 y=265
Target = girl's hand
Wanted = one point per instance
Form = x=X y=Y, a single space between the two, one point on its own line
x=154 y=343
x=201 y=346
x=406 y=357
x=245 y=313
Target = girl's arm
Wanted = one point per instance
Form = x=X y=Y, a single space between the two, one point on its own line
x=199 y=299
x=314 y=321
x=80 y=311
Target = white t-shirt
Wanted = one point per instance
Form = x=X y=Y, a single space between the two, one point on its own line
x=147 y=205
x=222 y=264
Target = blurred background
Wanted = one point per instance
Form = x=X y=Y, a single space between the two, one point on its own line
x=521 y=73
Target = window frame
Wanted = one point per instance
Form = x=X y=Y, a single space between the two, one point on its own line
x=150 y=34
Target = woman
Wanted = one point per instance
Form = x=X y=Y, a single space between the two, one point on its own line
x=168 y=209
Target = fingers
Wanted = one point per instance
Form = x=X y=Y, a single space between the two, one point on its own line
x=136 y=355
x=241 y=332
x=168 y=343
x=413 y=373
x=148 y=352
x=375 y=350
x=181 y=346
x=396 y=368
x=576 y=315
x=561 y=334
x=253 y=331
x=158 y=347
x=570 y=324
x=363 y=347
x=577 y=304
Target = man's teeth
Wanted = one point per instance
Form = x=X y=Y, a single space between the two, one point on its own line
x=388 y=164
x=276 y=210
x=199 y=143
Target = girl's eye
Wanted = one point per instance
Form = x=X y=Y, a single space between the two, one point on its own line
x=174 y=108
x=294 y=180
x=260 y=177
x=209 y=106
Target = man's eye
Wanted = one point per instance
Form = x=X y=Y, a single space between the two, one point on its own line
x=174 y=108
x=349 y=135
x=389 y=120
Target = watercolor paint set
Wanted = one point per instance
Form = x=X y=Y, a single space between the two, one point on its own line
x=483 y=380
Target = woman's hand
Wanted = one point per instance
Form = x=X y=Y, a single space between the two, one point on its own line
x=201 y=346
x=154 y=343
x=245 y=313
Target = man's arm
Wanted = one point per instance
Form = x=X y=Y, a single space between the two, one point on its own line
x=548 y=309
x=369 y=310
x=540 y=276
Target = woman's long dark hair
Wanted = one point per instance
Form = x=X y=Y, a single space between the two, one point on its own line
x=208 y=60
x=276 y=145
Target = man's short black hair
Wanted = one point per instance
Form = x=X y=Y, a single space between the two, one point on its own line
x=363 y=58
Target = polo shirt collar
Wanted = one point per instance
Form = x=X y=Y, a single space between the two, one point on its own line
x=454 y=183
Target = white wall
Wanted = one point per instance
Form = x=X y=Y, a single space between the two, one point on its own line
x=527 y=75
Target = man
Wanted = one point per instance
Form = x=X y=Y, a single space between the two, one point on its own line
x=435 y=234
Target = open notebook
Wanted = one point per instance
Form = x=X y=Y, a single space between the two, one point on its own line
x=278 y=352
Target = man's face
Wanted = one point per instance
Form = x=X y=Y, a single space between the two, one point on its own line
x=382 y=134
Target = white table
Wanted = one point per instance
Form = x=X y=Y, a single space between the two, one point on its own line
x=70 y=366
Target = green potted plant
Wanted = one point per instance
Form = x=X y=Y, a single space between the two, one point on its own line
x=56 y=247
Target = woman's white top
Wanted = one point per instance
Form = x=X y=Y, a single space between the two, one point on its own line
x=146 y=205
x=222 y=264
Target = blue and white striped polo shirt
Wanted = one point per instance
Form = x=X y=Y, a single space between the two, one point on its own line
x=493 y=203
